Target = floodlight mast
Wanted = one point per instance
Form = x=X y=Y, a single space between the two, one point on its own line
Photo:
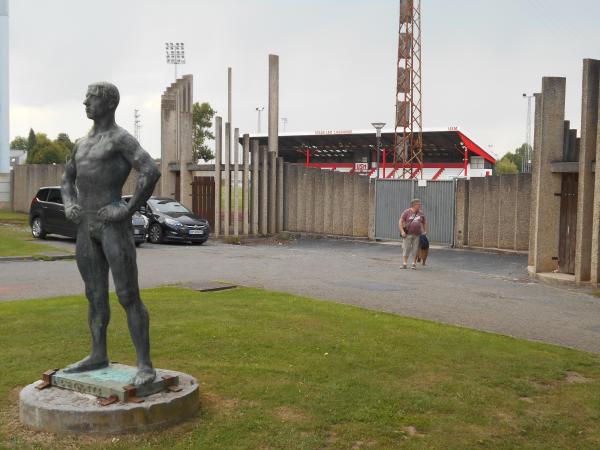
x=175 y=53
x=408 y=147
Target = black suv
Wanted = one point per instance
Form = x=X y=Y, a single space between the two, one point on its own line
x=47 y=216
x=171 y=221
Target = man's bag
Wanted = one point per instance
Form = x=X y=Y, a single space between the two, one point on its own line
x=423 y=242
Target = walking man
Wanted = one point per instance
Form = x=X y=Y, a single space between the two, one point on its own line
x=412 y=225
x=91 y=188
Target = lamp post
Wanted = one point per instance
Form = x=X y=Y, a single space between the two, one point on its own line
x=378 y=127
x=175 y=54
x=259 y=109
x=526 y=162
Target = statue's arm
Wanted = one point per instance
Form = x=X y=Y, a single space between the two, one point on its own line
x=142 y=162
x=69 y=191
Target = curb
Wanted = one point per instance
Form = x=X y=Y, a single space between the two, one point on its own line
x=36 y=258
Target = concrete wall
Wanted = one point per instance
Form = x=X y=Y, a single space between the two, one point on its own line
x=329 y=203
x=28 y=178
x=493 y=212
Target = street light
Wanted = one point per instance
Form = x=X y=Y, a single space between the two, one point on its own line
x=378 y=127
x=526 y=162
x=259 y=109
x=175 y=54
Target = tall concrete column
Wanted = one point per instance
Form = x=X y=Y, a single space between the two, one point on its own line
x=273 y=140
x=264 y=191
x=535 y=176
x=272 y=196
x=245 y=184
x=280 y=188
x=255 y=186
x=590 y=102
x=227 y=181
x=236 y=173
x=218 y=153
x=5 y=196
x=548 y=183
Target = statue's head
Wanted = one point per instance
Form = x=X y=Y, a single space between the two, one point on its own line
x=101 y=99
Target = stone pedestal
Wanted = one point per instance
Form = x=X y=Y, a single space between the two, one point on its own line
x=74 y=410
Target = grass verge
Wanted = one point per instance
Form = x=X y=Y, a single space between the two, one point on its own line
x=16 y=239
x=283 y=372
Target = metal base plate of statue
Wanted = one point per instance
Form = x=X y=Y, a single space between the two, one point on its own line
x=102 y=402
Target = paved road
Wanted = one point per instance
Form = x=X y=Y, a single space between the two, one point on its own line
x=477 y=290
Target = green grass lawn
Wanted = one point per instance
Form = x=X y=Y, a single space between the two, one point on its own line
x=278 y=371
x=16 y=239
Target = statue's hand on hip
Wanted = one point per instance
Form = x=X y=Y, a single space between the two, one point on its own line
x=115 y=212
x=73 y=213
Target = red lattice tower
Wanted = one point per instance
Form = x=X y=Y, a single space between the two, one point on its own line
x=408 y=139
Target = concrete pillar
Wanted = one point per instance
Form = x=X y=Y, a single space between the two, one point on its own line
x=476 y=215
x=5 y=189
x=272 y=196
x=227 y=181
x=280 y=194
x=236 y=173
x=218 y=153
x=347 y=204
x=255 y=186
x=185 y=132
x=273 y=140
x=461 y=213
x=586 y=202
x=548 y=183
x=338 y=201
x=328 y=201
x=291 y=187
x=301 y=199
x=523 y=204
x=535 y=176
x=245 y=184
x=264 y=191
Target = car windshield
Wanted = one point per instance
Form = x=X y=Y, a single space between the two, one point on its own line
x=168 y=206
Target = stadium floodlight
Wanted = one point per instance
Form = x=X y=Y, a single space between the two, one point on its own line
x=175 y=53
x=378 y=127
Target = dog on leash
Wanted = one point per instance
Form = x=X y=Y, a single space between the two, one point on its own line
x=423 y=252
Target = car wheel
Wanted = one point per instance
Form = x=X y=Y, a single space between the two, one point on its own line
x=37 y=228
x=156 y=234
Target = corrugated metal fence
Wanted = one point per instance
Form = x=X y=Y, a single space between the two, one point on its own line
x=394 y=196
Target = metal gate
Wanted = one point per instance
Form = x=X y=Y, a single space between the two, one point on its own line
x=203 y=198
x=394 y=196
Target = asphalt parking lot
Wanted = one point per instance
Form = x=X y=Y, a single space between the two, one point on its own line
x=484 y=291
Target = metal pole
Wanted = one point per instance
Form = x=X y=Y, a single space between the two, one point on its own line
x=378 y=151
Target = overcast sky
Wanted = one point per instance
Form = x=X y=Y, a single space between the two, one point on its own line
x=337 y=60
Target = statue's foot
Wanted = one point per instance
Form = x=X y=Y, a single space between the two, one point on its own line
x=144 y=375
x=89 y=363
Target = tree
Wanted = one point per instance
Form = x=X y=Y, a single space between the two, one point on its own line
x=506 y=165
x=31 y=142
x=202 y=115
x=46 y=151
x=63 y=139
x=19 y=143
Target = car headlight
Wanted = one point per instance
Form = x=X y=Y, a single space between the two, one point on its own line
x=173 y=223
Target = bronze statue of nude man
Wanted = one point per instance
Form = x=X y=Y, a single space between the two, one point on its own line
x=92 y=186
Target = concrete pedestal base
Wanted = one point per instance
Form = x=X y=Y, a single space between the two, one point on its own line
x=59 y=410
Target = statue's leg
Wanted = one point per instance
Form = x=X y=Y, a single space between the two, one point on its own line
x=119 y=248
x=93 y=268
